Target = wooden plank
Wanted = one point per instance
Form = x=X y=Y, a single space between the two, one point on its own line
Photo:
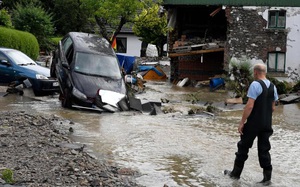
x=196 y=52
x=290 y=98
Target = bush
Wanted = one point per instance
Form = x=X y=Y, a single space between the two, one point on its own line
x=296 y=88
x=242 y=78
x=53 y=43
x=55 y=40
x=34 y=19
x=5 y=19
x=282 y=87
x=23 y=41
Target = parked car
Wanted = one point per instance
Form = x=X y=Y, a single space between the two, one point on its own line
x=16 y=67
x=88 y=70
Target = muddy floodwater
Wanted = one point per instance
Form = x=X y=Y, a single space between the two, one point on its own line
x=178 y=149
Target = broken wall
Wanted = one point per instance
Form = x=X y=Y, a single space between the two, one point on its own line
x=248 y=35
x=196 y=43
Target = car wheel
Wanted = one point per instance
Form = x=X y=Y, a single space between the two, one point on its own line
x=37 y=92
x=66 y=101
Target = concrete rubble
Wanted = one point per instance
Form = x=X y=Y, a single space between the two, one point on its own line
x=38 y=151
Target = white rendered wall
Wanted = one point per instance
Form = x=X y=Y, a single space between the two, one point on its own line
x=133 y=44
x=293 y=36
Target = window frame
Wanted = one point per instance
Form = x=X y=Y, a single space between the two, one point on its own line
x=276 y=62
x=277 y=16
x=118 y=41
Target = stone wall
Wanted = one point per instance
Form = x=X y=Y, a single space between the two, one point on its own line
x=248 y=35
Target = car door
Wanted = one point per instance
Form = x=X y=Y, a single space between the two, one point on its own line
x=7 y=71
x=62 y=72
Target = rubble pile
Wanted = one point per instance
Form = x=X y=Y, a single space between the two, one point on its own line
x=37 y=151
x=185 y=44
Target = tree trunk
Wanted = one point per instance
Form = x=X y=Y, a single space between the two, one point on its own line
x=101 y=24
x=144 y=46
x=160 y=49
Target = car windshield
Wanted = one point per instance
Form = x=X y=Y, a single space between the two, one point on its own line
x=98 y=65
x=20 y=58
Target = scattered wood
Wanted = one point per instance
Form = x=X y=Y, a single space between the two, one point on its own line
x=195 y=52
x=290 y=99
x=238 y=100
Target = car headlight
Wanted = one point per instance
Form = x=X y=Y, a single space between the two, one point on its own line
x=78 y=94
x=39 y=76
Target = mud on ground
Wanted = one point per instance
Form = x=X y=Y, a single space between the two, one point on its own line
x=38 y=151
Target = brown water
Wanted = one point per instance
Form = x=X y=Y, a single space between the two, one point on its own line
x=178 y=149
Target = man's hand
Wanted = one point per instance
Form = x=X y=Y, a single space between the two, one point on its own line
x=241 y=127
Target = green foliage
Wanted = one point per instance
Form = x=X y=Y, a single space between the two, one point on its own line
x=283 y=87
x=56 y=40
x=5 y=19
x=113 y=10
x=7 y=176
x=23 y=41
x=151 y=25
x=32 y=18
x=70 y=15
x=242 y=78
x=112 y=15
x=10 y=5
x=296 y=88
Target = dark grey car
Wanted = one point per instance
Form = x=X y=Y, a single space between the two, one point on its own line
x=84 y=64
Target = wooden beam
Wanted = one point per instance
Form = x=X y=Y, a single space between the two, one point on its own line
x=196 y=52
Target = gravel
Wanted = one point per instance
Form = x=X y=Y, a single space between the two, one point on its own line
x=39 y=152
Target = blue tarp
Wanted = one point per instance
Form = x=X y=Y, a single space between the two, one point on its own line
x=147 y=68
x=126 y=62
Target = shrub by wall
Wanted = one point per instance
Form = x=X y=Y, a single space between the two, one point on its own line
x=23 y=41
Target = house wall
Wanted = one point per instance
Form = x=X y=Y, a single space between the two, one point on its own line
x=249 y=37
x=293 y=39
x=133 y=44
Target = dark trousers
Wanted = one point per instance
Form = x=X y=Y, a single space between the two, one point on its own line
x=250 y=132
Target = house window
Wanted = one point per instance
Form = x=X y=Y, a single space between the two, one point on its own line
x=277 y=19
x=276 y=62
x=122 y=45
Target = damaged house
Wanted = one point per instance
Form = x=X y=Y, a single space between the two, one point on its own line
x=208 y=34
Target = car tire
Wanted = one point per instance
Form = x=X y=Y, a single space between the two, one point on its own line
x=66 y=101
x=37 y=92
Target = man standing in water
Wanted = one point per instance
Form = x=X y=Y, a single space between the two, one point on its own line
x=256 y=122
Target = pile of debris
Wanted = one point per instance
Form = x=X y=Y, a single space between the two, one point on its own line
x=36 y=151
x=192 y=44
x=290 y=98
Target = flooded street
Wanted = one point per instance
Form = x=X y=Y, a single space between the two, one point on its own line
x=177 y=149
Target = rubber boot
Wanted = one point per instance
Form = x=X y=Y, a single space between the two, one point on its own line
x=267 y=177
x=235 y=173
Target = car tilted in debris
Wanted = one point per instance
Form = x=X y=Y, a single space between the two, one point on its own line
x=16 y=68
x=89 y=73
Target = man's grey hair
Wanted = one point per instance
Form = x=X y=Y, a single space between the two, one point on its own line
x=261 y=67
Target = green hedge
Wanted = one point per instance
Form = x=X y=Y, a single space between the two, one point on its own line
x=23 y=41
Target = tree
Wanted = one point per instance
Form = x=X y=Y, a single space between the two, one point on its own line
x=5 y=19
x=73 y=15
x=112 y=15
x=11 y=5
x=32 y=18
x=151 y=25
